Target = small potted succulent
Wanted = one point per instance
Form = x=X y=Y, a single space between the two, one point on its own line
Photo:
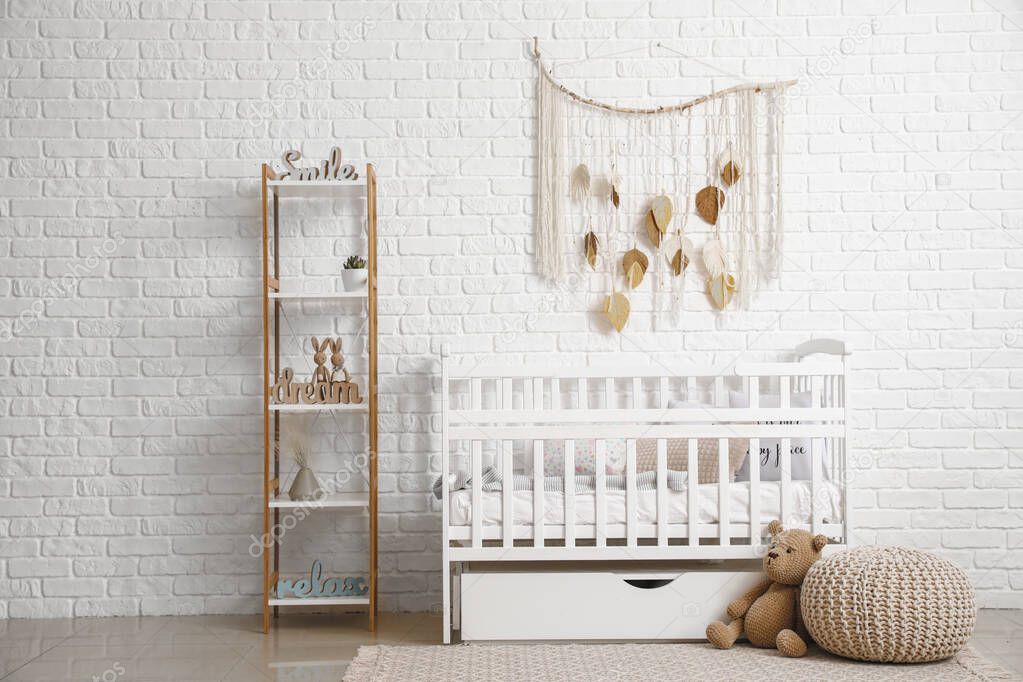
x=354 y=274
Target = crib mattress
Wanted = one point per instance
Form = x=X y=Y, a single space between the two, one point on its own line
x=828 y=504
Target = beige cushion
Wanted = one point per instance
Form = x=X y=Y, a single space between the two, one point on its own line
x=706 y=456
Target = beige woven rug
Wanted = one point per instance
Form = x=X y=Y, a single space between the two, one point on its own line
x=639 y=662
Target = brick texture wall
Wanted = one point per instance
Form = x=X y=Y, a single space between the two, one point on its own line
x=130 y=138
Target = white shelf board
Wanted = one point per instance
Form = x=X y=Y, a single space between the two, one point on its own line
x=331 y=407
x=318 y=188
x=320 y=601
x=332 y=501
x=325 y=296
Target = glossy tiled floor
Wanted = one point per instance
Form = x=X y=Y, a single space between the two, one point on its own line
x=234 y=649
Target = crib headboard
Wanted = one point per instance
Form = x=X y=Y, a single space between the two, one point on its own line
x=499 y=417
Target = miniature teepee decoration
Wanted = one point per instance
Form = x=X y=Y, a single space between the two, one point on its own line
x=305 y=485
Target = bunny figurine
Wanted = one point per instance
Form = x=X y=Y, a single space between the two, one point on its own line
x=320 y=358
x=337 y=359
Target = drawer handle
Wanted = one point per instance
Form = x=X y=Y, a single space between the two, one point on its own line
x=648 y=584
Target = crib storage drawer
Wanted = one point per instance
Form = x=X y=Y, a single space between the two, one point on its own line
x=608 y=605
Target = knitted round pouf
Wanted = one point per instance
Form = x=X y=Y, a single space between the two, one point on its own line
x=888 y=604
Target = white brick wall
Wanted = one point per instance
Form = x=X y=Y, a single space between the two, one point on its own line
x=131 y=135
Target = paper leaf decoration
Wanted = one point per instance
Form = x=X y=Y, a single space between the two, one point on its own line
x=720 y=289
x=679 y=262
x=730 y=173
x=615 y=199
x=714 y=257
x=580 y=185
x=591 y=244
x=652 y=231
x=708 y=201
x=671 y=245
x=616 y=310
x=660 y=210
x=635 y=264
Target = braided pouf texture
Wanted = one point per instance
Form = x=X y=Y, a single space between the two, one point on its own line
x=889 y=605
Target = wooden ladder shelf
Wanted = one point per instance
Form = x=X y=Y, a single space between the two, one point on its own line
x=274 y=190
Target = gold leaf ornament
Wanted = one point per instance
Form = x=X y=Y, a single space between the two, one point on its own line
x=730 y=173
x=709 y=200
x=635 y=264
x=721 y=289
x=678 y=251
x=616 y=310
x=653 y=233
x=661 y=211
x=679 y=262
x=591 y=244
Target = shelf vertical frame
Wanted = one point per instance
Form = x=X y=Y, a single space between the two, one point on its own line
x=371 y=246
x=266 y=174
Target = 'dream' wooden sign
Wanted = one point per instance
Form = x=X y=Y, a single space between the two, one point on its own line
x=324 y=387
x=329 y=169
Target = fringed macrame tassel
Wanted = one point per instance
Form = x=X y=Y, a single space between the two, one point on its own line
x=550 y=179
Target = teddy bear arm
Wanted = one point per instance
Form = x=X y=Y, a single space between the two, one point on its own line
x=739 y=607
x=800 y=626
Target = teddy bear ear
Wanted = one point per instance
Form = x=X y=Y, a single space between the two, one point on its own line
x=774 y=527
x=818 y=542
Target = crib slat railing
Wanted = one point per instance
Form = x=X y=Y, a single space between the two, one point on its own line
x=785 y=464
x=476 y=453
x=847 y=505
x=693 y=493
x=816 y=459
x=538 y=498
x=569 y=490
x=507 y=493
x=662 y=492
x=630 y=492
x=599 y=497
x=753 y=462
x=724 y=503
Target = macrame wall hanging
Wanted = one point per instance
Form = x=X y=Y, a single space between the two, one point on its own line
x=618 y=188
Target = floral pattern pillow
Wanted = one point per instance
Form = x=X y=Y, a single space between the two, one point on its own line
x=585 y=457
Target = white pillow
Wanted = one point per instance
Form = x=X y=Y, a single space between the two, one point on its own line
x=770 y=448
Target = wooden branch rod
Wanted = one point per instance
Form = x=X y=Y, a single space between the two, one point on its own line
x=757 y=87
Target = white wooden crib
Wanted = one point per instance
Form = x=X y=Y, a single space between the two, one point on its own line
x=615 y=564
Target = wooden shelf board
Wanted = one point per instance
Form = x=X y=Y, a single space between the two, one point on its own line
x=332 y=501
x=318 y=188
x=335 y=407
x=320 y=601
x=300 y=296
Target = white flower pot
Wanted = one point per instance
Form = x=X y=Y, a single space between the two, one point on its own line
x=354 y=280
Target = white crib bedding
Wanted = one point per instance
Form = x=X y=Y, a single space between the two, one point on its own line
x=828 y=503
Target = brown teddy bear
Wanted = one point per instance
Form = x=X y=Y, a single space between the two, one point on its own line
x=769 y=613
